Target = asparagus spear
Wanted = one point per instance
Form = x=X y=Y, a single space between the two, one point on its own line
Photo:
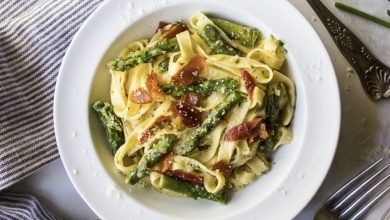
x=191 y=190
x=267 y=147
x=191 y=141
x=158 y=150
x=144 y=56
x=215 y=42
x=163 y=65
x=244 y=35
x=111 y=123
x=272 y=110
x=221 y=85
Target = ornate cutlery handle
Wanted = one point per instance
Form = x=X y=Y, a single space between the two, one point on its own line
x=373 y=74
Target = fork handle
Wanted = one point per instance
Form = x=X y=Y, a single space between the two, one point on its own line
x=373 y=74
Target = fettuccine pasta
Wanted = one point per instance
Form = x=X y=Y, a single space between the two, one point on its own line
x=199 y=109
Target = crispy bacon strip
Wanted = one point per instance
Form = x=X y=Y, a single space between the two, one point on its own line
x=241 y=131
x=250 y=83
x=154 y=89
x=167 y=161
x=161 y=119
x=179 y=174
x=173 y=30
x=140 y=96
x=161 y=24
x=190 y=72
x=225 y=169
x=173 y=109
x=191 y=99
x=146 y=135
x=238 y=132
x=191 y=177
x=189 y=116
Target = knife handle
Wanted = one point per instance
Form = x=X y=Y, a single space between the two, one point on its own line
x=374 y=75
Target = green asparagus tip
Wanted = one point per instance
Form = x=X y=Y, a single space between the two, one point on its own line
x=203 y=87
x=191 y=190
x=111 y=64
x=163 y=65
x=155 y=154
x=111 y=123
x=132 y=178
x=215 y=42
x=362 y=14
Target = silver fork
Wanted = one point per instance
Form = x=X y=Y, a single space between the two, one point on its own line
x=355 y=198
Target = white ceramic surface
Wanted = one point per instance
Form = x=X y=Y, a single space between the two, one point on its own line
x=299 y=168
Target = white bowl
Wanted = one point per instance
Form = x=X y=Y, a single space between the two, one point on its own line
x=300 y=166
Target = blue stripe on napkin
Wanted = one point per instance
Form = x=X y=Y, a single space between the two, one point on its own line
x=34 y=35
x=19 y=207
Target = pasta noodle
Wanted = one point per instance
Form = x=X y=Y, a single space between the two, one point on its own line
x=202 y=107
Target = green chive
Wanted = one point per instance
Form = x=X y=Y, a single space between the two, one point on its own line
x=362 y=14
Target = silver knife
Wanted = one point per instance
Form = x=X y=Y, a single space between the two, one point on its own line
x=373 y=74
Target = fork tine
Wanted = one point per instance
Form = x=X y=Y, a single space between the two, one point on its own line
x=363 y=197
x=354 y=192
x=340 y=191
x=370 y=204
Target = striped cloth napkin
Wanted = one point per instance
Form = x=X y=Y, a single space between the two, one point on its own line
x=20 y=206
x=34 y=35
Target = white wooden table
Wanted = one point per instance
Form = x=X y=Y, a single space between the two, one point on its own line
x=364 y=133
